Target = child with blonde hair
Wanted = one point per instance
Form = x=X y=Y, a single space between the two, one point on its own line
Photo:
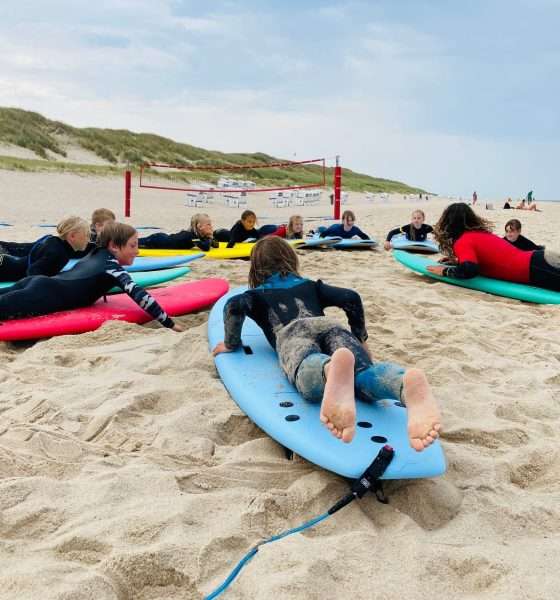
x=416 y=230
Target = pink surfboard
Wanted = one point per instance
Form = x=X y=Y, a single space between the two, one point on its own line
x=175 y=300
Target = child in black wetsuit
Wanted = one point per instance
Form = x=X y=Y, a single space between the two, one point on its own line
x=244 y=230
x=416 y=230
x=88 y=281
x=513 y=236
x=200 y=235
x=50 y=254
x=325 y=361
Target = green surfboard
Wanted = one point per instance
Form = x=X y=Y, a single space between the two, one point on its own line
x=498 y=287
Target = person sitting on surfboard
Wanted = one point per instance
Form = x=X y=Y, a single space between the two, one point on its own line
x=468 y=239
x=199 y=235
x=513 y=236
x=324 y=360
x=416 y=230
x=346 y=229
x=49 y=254
x=88 y=281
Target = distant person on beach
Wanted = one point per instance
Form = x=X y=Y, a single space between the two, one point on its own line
x=199 y=235
x=467 y=239
x=523 y=205
x=507 y=204
x=530 y=197
x=416 y=230
x=346 y=229
x=474 y=198
x=88 y=281
x=513 y=236
x=49 y=255
x=326 y=362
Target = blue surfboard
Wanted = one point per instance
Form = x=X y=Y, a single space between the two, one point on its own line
x=319 y=242
x=256 y=383
x=144 y=263
x=355 y=244
x=401 y=242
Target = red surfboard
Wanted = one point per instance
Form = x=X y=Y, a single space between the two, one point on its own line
x=175 y=300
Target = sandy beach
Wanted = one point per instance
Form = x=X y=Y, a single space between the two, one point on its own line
x=128 y=473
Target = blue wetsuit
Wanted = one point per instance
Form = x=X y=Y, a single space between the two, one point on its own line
x=338 y=230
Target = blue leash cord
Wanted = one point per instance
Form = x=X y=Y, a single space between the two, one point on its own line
x=368 y=481
x=230 y=578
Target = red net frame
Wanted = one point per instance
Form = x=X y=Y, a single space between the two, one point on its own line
x=234 y=169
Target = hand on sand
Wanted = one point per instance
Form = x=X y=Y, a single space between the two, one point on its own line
x=179 y=328
x=387 y=245
x=220 y=348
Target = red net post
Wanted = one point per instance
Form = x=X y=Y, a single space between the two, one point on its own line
x=337 y=186
x=127 y=192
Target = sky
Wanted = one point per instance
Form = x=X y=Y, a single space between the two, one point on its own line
x=448 y=96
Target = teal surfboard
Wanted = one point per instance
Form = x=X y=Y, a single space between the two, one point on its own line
x=256 y=383
x=401 y=242
x=143 y=278
x=498 y=287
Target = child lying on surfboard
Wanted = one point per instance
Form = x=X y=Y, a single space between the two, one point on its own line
x=326 y=362
x=200 y=235
x=88 y=281
x=346 y=229
x=416 y=230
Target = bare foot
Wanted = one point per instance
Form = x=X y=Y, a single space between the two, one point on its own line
x=338 y=409
x=424 y=420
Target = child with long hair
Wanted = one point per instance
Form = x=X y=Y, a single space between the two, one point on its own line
x=467 y=239
x=416 y=230
x=199 y=235
x=327 y=362
x=48 y=255
x=346 y=229
x=88 y=281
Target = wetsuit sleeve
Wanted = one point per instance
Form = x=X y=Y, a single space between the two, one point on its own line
x=393 y=233
x=235 y=311
x=50 y=261
x=81 y=253
x=357 y=231
x=236 y=235
x=465 y=270
x=144 y=300
x=467 y=266
x=349 y=301
x=204 y=245
x=329 y=231
x=428 y=229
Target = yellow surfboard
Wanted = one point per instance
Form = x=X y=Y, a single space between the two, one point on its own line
x=240 y=250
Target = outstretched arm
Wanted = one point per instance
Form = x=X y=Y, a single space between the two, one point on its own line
x=144 y=300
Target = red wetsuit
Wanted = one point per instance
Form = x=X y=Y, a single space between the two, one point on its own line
x=494 y=256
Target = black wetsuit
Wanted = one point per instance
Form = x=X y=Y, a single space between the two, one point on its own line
x=413 y=234
x=283 y=303
x=183 y=240
x=238 y=233
x=47 y=256
x=290 y=311
x=81 y=286
x=524 y=243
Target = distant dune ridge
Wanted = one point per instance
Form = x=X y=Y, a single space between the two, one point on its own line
x=31 y=142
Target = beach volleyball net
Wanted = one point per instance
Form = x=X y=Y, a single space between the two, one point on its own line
x=211 y=177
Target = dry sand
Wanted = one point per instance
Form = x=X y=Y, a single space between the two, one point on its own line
x=127 y=472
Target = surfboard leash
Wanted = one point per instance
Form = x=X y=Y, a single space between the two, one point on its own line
x=368 y=481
